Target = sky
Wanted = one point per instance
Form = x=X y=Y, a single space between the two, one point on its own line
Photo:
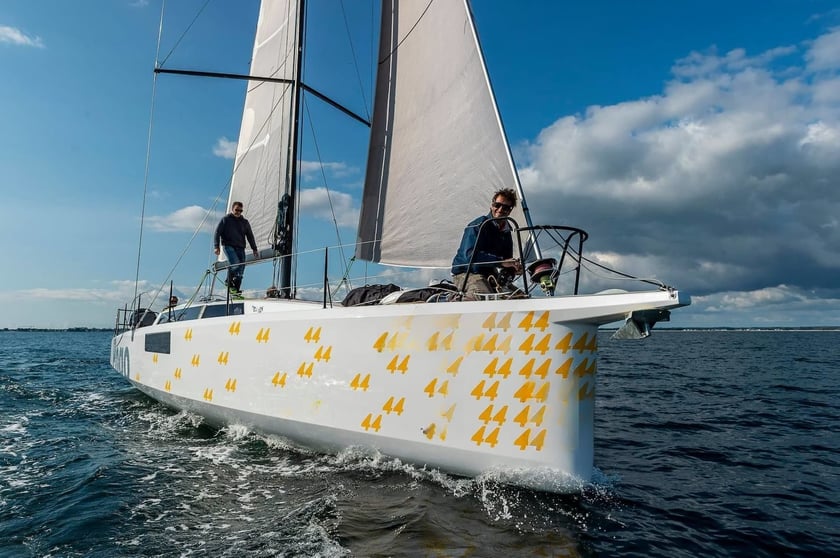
x=696 y=142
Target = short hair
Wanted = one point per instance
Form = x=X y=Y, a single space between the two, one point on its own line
x=236 y=203
x=508 y=193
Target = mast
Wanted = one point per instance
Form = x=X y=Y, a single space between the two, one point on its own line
x=286 y=261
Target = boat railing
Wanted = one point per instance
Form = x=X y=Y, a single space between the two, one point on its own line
x=562 y=254
x=551 y=256
x=549 y=251
x=544 y=252
x=552 y=259
x=133 y=315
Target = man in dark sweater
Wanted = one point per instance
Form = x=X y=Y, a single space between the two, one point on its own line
x=233 y=230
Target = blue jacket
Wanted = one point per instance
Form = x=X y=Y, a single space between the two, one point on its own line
x=493 y=245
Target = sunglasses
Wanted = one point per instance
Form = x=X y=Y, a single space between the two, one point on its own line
x=238 y=210
x=499 y=205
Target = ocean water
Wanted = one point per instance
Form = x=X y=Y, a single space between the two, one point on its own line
x=708 y=443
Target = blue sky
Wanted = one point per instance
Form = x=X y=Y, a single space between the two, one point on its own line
x=697 y=142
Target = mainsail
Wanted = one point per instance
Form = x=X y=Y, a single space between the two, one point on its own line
x=437 y=150
x=263 y=166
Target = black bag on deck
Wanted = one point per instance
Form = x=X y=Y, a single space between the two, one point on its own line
x=423 y=294
x=369 y=294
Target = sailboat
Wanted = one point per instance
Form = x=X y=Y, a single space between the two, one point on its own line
x=504 y=385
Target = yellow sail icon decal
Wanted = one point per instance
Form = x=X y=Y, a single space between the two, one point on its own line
x=262 y=335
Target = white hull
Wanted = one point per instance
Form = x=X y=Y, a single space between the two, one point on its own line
x=466 y=387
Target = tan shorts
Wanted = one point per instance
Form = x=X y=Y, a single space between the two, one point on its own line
x=476 y=283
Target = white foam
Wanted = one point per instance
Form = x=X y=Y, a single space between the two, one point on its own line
x=236 y=432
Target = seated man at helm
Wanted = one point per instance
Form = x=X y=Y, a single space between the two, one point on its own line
x=489 y=247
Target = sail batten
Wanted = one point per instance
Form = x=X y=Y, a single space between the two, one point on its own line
x=437 y=150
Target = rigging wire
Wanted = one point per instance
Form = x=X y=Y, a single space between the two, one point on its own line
x=305 y=107
x=345 y=279
x=324 y=176
x=559 y=240
x=340 y=246
x=355 y=61
x=410 y=31
x=148 y=156
x=656 y=282
x=226 y=186
x=210 y=211
x=580 y=259
x=218 y=199
x=184 y=34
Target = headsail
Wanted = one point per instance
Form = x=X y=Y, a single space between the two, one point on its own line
x=438 y=149
x=263 y=161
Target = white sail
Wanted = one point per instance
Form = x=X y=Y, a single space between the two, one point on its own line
x=263 y=166
x=438 y=150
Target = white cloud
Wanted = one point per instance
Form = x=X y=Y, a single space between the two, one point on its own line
x=312 y=169
x=225 y=148
x=824 y=53
x=726 y=181
x=118 y=292
x=779 y=305
x=73 y=294
x=17 y=37
x=758 y=298
x=329 y=206
x=819 y=133
x=827 y=91
x=81 y=307
x=186 y=219
x=114 y=292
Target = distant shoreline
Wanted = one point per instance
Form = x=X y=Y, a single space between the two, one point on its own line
x=54 y=329
x=768 y=328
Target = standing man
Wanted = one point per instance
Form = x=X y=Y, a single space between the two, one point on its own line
x=233 y=230
x=490 y=249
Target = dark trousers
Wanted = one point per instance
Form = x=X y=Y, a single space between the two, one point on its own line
x=235 y=256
